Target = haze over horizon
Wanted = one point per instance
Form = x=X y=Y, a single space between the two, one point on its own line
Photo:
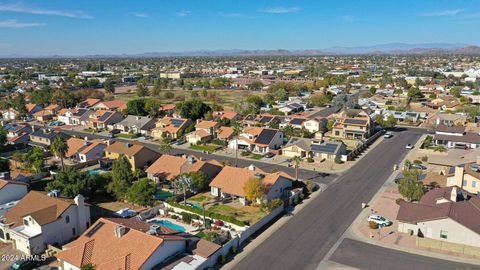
x=91 y=27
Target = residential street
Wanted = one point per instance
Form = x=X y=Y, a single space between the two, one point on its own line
x=366 y=256
x=303 y=242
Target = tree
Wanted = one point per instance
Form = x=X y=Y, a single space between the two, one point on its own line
x=255 y=85
x=296 y=160
x=199 y=181
x=166 y=147
x=72 y=182
x=33 y=160
x=59 y=148
x=122 y=176
x=169 y=95
x=109 y=86
x=3 y=136
x=193 y=109
x=390 y=122
x=254 y=189
x=414 y=93
x=142 y=192
x=136 y=107
x=410 y=186
x=152 y=107
x=92 y=82
x=183 y=183
x=344 y=101
x=142 y=91
x=20 y=105
x=88 y=266
x=236 y=132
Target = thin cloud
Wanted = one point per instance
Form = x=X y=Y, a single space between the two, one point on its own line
x=232 y=15
x=17 y=24
x=441 y=13
x=19 y=8
x=184 y=13
x=140 y=15
x=280 y=10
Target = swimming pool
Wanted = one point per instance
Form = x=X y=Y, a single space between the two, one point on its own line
x=162 y=195
x=194 y=205
x=168 y=224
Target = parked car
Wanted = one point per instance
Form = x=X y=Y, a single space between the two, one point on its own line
x=180 y=142
x=379 y=220
x=388 y=135
x=24 y=264
x=418 y=166
x=269 y=155
x=409 y=146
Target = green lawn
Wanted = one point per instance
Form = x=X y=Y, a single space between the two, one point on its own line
x=208 y=148
x=127 y=136
x=247 y=213
x=256 y=156
x=200 y=198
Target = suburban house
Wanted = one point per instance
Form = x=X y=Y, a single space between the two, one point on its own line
x=167 y=167
x=402 y=116
x=257 y=139
x=115 y=243
x=72 y=116
x=291 y=107
x=110 y=105
x=135 y=124
x=225 y=133
x=312 y=148
x=230 y=182
x=43 y=137
x=169 y=127
x=168 y=109
x=89 y=102
x=80 y=150
x=48 y=113
x=11 y=191
x=14 y=130
x=230 y=115
x=12 y=114
x=456 y=137
x=38 y=220
x=451 y=119
x=358 y=127
x=443 y=103
x=137 y=154
x=294 y=122
x=100 y=119
x=204 y=131
x=446 y=214
x=466 y=176
x=316 y=125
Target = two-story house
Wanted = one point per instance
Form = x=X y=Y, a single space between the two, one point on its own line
x=137 y=154
x=257 y=139
x=354 y=125
x=204 y=131
x=170 y=127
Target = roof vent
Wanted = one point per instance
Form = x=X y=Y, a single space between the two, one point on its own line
x=54 y=193
x=154 y=229
x=128 y=145
x=119 y=231
x=251 y=167
x=259 y=175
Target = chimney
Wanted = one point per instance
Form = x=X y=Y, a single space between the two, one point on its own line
x=85 y=138
x=128 y=145
x=251 y=167
x=190 y=160
x=154 y=229
x=457 y=177
x=453 y=194
x=137 y=118
x=119 y=231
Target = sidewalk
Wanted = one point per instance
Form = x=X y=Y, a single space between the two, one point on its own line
x=251 y=246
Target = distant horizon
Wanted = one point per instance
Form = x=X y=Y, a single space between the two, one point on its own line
x=110 y=27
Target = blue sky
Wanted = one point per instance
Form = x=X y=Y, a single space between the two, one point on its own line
x=69 y=27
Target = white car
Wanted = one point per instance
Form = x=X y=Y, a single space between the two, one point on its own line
x=379 y=220
x=409 y=146
x=388 y=135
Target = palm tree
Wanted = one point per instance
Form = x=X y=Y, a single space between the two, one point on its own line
x=166 y=148
x=183 y=183
x=297 y=161
x=59 y=147
x=236 y=131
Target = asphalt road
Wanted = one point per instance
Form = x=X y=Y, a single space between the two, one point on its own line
x=366 y=256
x=302 y=174
x=304 y=241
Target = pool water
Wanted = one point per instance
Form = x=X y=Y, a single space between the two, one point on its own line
x=168 y=224
x=162 y=195
x=95 y=172
x=194 y=205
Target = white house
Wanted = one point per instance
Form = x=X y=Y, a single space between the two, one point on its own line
x=39 y=220
x=11 y=191
x=257 y=139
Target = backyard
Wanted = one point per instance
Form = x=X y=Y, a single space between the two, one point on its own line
x=251 y=214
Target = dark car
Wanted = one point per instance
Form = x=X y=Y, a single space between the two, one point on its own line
x=24 y=265
x=269 y=155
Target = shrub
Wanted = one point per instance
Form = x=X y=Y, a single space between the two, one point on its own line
x=210 y=214
x=424 y=158
x=273 y=204
x=233 y=250
x=416 y=161
x=208 y=223
x=187 y=217
x=218 y=222
x=310 y=160
x=295 y=201
x=399 y=200
x=372 y=225
x=246 y=153
x=311 y=186
x=338 y=160
x=302 y=196
x=222 y=259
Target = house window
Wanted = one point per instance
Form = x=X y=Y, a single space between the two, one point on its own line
x=25 y=222
x=67 y=219
x=465 y=182
x=474 y=184
x=74 y=232
x=450 y=181
x=443 y=234
x=337 y=133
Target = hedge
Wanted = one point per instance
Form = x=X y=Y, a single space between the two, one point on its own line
x=210 y=214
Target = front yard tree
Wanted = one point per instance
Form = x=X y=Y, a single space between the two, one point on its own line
x=183 y=183
x=59 y=148
x=166 y=147
x=121 y=177
x=254 y=189
x=409 y=186
x=141 y=192
x=296 y=160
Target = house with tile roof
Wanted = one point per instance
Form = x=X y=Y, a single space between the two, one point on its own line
x=448 y=214
x=134 y=124
x=89 y=102
x=205 y=131
x=81 y=150
x=167 y=167
x=230 y=183
x=137 y=154
x=352 y=124
x=127 y=244
x=225 y=133
x=11 y=191
x=230 y=115
x=110 y=105
x=48 y=113
x=170 y=127
x=101 y=119
x=257 y=139
x=38 y=220
x=313 y=148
